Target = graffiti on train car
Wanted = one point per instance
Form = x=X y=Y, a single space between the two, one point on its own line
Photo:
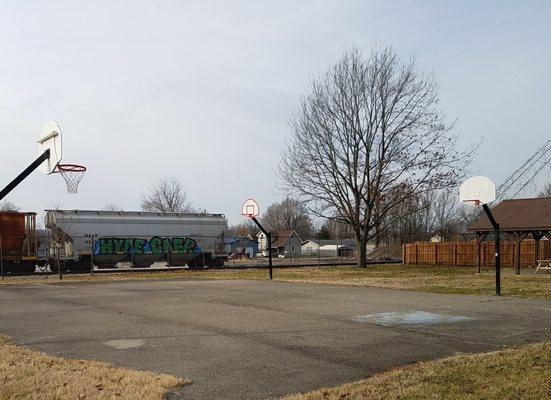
x=154 y=245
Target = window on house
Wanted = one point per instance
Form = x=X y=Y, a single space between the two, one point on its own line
x=293 y=248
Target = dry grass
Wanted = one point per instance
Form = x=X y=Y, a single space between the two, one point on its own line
x=419 y=278
x=522 y=373
x=426 y=279
x=27 y=374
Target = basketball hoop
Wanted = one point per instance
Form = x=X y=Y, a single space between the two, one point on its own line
x=250 y=208
x=472 y=202
x=72 y=174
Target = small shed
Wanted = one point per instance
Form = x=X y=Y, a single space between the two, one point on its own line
x=517 y=218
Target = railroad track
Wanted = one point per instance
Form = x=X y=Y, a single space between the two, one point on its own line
x=229 y=266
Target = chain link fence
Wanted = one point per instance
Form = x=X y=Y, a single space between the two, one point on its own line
x=51 y=253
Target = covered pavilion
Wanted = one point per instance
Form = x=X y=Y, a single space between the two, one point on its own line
x=518 y=218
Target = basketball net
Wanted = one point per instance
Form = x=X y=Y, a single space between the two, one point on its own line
x=72 y=174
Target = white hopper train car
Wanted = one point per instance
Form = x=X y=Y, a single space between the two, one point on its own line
x=118 y=239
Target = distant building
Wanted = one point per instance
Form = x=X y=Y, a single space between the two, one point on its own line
x=436 y=239
x=331 y=247
x=241 y=245
x=309 y=247
x=284 y=243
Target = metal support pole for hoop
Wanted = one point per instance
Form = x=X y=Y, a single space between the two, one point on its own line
x=269 y=239
x=21 y=177
x=495 y=225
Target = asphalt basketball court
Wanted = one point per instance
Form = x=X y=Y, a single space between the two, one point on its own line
x=259 y=340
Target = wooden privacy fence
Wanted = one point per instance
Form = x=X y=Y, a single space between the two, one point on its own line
x=466 y=254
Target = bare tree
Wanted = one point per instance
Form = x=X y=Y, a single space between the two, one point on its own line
x=243 y=229
x=338 y=229
x=166 y=196
x=59 y=231
x=364 y=129
x=288 y=214
x=546 y=191
x=445 y=218
x=111 y=207
x=7 y=205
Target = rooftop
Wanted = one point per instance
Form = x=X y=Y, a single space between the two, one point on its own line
x=517 y=215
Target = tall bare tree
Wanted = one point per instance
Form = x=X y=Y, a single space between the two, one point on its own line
x=167 y=195
x=288 y=214
x=367 y=127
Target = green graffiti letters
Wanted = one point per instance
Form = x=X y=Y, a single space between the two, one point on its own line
x=155 y=245
x=139 y=245
x=106 y=246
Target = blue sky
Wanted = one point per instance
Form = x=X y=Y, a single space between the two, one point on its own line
x=203 y=90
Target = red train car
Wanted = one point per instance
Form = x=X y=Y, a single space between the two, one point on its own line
x=18 y=241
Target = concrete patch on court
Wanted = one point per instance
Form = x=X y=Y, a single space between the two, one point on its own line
x=416 y=317
x=125 y=344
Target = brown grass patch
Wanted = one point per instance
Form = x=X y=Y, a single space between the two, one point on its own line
x=434 y=279
x=28 y=374
x=519 y=373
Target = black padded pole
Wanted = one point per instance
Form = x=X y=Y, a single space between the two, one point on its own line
x=497 y=248
x=21 y=177
x=269 y=237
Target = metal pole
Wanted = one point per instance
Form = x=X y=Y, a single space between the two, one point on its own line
x=270 y=266
x=58 y=263
x=47 y=254
x=1 y=259
x=167 y=257
x=92 y=255
x=319 y=256
x=497 y=248
x=498 y=262
x=269 y=238
x=203 y=248
x=291 y=256
x=19 y=178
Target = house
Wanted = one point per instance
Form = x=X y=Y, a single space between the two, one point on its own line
x=284 y=243
x=241 y=245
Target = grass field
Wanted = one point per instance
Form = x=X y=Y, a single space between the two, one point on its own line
x=520 y=373
x=396 y=276
x=27 y=374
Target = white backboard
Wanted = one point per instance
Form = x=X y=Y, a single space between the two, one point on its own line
x=250 y=208
x=50 y=138
x=477 y=190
